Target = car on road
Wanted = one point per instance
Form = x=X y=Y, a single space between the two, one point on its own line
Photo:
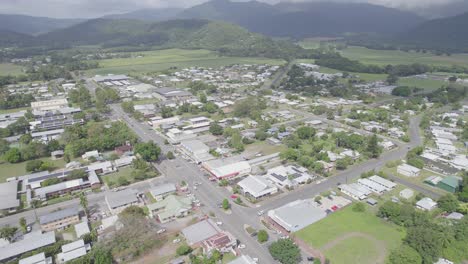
x=260 y=213
x=160 y=231
x=241 y=246
x=234 y=196
x=220 y=205
x=175 y=241
x=219 y=223
x=255 y=260
x=28 y=229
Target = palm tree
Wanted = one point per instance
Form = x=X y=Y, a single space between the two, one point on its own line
x=84 y=203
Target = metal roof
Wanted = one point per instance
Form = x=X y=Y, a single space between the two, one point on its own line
x=30 y=242
x=9 y=195
x=48 y=218
x=121 y=198
x=200 y=231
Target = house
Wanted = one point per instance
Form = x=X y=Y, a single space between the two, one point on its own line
x=59 y=219
x=36 y=259
x=170 y=208
x=162 y=191
x=224 y=169
x=124 y=161
x=406 y=194
x=256 y=187
x=408 y=170
x=73 y=250
x=223 y=242
x=454 y=216
x=426 y=204
x=55 y=155
x=90 y=154
x=30 y=242
x=117 y=201
x=443 y=261
x=388 y=185
x=82 y=229
x=355 y=191
x=197 y=150
x=288 y=176
x=9 y=201
x=123 y=149
x=296 y=215
x=208 y=235
x=327 y=166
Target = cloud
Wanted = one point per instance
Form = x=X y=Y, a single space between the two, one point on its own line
x=96 y=8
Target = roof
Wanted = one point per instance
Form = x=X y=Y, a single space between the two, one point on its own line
x=382 y=181
x=73 y=245
x=256 y=186
x=35 y=259
x=195 y=146
x=30 y=242
x=163 y=189
x=451 y=181
x=173 y=206
x=121 y=198
x=221 y=168
x=200 y=231
x=243 y=259
x=9 y=195
x=48 y=218
x=73 y=250
x=99 y=78
x=408 y=168
x=296 y=215
x=426 y=203
x=82 y=229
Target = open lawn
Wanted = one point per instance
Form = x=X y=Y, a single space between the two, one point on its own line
x=8 y=170
x=352 y=237
x=160 y=60
x=426 y=84
x=10 y=69
x=384 y=57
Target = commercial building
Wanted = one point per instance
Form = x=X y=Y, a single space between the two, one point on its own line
x=9 y=201
x=296 y=215
x=170 y=208
x=223 y=169
x=117 y=201
x=162 y=191
x=355 y=191
x=256 y=187
x=449 y=184
x=73 y=251
x=172 y=94
x=110 y=78
x=196 y=150
x=49 y=105
x=36 y=259
x=408 y=170
x=289 y=176
x=59 y=219
x=30 y=242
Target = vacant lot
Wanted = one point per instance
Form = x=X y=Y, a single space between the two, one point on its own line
x=160 y=60
x=384 y=57
x=351 y=237
x=10 y=69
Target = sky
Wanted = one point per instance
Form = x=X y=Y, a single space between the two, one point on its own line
x=97 y=8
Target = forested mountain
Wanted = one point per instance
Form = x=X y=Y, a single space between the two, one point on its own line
x=446 y=33
x=153 y=14
x=8 y=38
x=300 y=20
x=33 y=25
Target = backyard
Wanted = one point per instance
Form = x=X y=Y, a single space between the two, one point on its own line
x=353 y=237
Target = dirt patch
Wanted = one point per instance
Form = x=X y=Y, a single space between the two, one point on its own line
x=381 y=247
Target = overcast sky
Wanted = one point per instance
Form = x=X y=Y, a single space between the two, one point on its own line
x=96 y=8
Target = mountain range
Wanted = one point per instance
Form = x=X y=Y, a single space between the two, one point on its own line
x=34 y=25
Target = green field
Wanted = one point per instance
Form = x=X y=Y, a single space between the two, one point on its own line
x=10 y=69
x=351 y=237
x=8 y=170
x=160 y=60
x=384 y=57
x=426 y=84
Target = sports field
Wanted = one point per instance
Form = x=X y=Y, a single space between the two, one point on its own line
x=160 y=60
x=384 y=57
x=10 y=69
x=353 y=237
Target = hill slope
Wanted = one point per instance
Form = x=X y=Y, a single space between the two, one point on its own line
x=446 y=33
x=33 y=25
x=300 y=20
x=148 y=14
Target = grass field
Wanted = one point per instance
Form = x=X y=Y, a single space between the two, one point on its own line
x=384 y=57
x=160 y=60
x=8 y=170
x=351 y=237
x=426 y=84
x=10 y=69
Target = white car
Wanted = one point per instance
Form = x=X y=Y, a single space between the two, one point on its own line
x=255 y=260
x=219 y=223
x=260 y=212
x=28 y=228
x=241 y=246
x=160 y=231
x=175 y=241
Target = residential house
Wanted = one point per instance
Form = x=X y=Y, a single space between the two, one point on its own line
x=170 y=208
x=408 y=170
x=162 y=191
x=118 y=201
x=289 y=176
x=73 y=251
x=426 y=204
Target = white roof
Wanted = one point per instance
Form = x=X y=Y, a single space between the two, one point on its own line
x=257 y=186
x=407 y=193
x=163 y=189
x=382 y=181
x=35 y=259
x=30 y=242
x=373 y=186
x=200 y=231
x=408 y=168
x=296 y=215
x=9 y=195
x=81 y=229
x=426 y=203
x=243 y=259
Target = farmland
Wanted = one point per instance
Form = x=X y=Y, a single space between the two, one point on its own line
x=353 y=237
x=10 y=69
x=161 y=60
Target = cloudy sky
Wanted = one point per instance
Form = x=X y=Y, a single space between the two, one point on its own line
x=96 y=8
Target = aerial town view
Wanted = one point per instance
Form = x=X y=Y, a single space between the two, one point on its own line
x=234 y=132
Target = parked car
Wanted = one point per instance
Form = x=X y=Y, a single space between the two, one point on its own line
x=219 y=223
x=160 y=231
x=259 y=213
x=175 y=241
x=28 y=228
x=241 y=246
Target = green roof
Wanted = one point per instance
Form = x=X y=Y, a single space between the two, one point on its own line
x=451 y=181
x=172 y=205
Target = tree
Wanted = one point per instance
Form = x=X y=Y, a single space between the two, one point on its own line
x=226 y=204
x=134 y=211
x=170 y=155
x=183 y=250
x=373 y=146
x=84 y=202
x=262 y=236
x=285 y=251
x=13 y=155
x=23 y=224
x=8 y=232
x=148 y=151
x=101 y=255
x=341 y=164
x=448 y=203
x=34 y=165
x=392 y=79
x=261 y=135
x=405 y=254
x=305 y=132
x=427 y=241
x=216 y=129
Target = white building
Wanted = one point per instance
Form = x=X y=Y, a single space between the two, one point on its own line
x=73 y=250
x=222 y=169
x=373 y=186
x=257 y=187
x=296 y=215
x=426 y=204
x=289 y=176
x=388 y=185
x=408 y=170
x=355 y=191
x=406 y=194
x=197 y=150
